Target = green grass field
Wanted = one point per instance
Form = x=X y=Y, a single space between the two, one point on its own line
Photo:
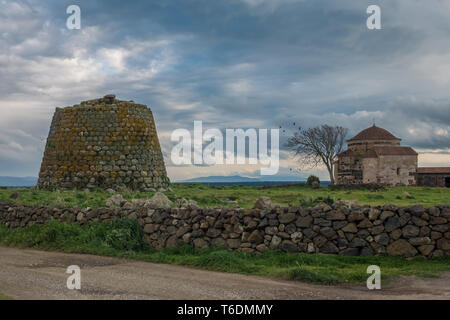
x=244 y=196
x=123 y=238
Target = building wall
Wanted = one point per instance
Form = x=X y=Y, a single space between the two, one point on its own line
x=387 y=170
x=349 y=170
x=433 y=180
x=393 y=170
x=370 y=169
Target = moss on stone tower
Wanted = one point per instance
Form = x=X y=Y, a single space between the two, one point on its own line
x=104 y=143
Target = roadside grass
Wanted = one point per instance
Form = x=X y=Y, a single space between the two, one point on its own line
x=244 y=196
x=123 y=239
x=3 y=297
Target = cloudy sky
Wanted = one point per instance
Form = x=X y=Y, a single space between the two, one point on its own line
x=231 y=64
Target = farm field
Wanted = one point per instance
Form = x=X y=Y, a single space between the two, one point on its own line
x=243 y=196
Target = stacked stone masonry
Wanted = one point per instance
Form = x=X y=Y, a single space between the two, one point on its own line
x=359 y=230
x=104 y=143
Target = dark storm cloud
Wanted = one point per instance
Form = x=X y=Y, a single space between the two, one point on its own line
x=235 y=64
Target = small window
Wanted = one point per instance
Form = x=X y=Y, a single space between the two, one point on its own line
x=398 y=171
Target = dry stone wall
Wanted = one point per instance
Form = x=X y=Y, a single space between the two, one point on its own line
x=104 y=143
x=337 y=229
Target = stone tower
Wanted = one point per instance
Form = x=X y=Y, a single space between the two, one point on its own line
x=104 y=143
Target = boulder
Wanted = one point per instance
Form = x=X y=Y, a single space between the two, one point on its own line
x=289 y=246
x=329 y=248
x=410 y=231
x=256 y=237
x=304 y=222
x=275 y=243
x=199 y=243
x=115 y=201
x=286 y=218
x=401 y=248
x=420 y=241
x=263 y=203
x=351 y=227
x=233 y=243
x=159 y=200
x=392 y=223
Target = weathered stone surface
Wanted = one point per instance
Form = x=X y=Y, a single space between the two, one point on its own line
x=329 y=248
x=106 y=143
x=115 y=201
x=199 y=243
x=289 y=246
x=328 y=232
x=350 y=252
x=443 y=244
x=401 y=248
x=417 y=210
x=365 y=224
x=355 y=216
x=150 y=228
x=391 y=224
x=351 y=227
x=374 y=214
x=263 y=203
x=159 y=200
x=410 y=231
x=287 y=217
x=233 y=243
x=425 y=250
x=420 y=241
x=386 y=214
x=242 y=229
x=304 y=222
x=256 y=237
x=335 y=215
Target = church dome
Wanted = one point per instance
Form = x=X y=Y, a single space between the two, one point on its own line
x=374 y=133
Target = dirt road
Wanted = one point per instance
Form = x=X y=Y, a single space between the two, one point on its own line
x=32 y=274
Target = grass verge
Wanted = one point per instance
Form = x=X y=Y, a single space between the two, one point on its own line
x=3 y=297
x=244 y=196
x=123 y=239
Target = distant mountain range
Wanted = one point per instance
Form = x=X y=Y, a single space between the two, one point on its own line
x=236 y=178
x=32 y=181
x=18 y=181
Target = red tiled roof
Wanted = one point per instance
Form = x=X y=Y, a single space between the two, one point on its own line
x=394 y=151
x=374 y=133
x=433 y=170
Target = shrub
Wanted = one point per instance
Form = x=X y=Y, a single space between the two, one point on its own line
x=311 y=179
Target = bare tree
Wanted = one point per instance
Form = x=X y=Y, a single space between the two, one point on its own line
x=318 y=145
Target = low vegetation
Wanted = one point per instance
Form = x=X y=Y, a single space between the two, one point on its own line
x=123 y=238
x=244 y=196
x=3 y=297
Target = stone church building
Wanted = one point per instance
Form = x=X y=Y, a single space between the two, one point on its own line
x=375 y=156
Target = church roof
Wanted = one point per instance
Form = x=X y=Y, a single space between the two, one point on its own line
x=374 y=133
x=377 y=151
